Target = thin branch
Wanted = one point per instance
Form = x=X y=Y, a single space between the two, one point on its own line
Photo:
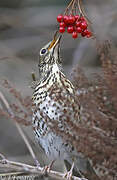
x=19 y=128
x=82 y=11
x=68 y=6
x=2 y=58
x=27 y=144
x=34 y=170
x=2 y=156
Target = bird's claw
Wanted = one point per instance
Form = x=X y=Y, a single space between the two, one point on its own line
x=68 y=175
x=47 y=169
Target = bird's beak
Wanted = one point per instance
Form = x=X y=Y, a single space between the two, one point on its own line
x=55 y=41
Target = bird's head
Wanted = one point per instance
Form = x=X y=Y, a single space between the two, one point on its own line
x=50 y=54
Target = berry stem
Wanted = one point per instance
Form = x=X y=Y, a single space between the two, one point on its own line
x=73 y=7
x=80 y=9
x=68 y=6
x=82 y=12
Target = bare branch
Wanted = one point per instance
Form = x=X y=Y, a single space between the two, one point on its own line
x=19 y=128
x=34 y=170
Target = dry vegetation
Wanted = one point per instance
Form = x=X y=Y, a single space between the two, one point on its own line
x=21 y=108
x=95 y=132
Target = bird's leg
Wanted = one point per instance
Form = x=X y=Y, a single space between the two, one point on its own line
x=68 y=174
x=47 y=168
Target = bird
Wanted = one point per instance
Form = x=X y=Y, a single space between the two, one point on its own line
x=51 y=83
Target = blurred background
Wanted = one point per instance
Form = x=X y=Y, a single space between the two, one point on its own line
x=25 y=27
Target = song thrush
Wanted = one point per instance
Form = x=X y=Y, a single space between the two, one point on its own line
x=52 y=81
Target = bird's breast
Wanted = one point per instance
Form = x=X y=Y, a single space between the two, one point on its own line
x=55 y=78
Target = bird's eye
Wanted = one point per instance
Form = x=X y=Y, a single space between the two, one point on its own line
x=43 y=51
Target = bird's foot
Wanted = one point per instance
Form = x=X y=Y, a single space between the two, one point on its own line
x=68 y=175
x=47 y=168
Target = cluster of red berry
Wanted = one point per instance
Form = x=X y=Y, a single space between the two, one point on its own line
x=74 y=25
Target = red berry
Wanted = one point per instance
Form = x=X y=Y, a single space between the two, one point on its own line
x=74 y=35
x=86 y=31
x=78 y=23
x=83 y=25
x=65 y=19
x=71 y=19
x=62 y=24
x=89 y=34
x=77 y=17
x=78 y=29
x=70 y=29
x=60 y=18
x=83 y=34
x=61 y=29
x=82 y=18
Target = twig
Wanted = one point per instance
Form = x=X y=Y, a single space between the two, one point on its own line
x=68 y=6
x=19 y=129
x=34 y=170
x=27 y=144
x=2 y=58
x=2 y=156
x=33 y=76
x=82 y=11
